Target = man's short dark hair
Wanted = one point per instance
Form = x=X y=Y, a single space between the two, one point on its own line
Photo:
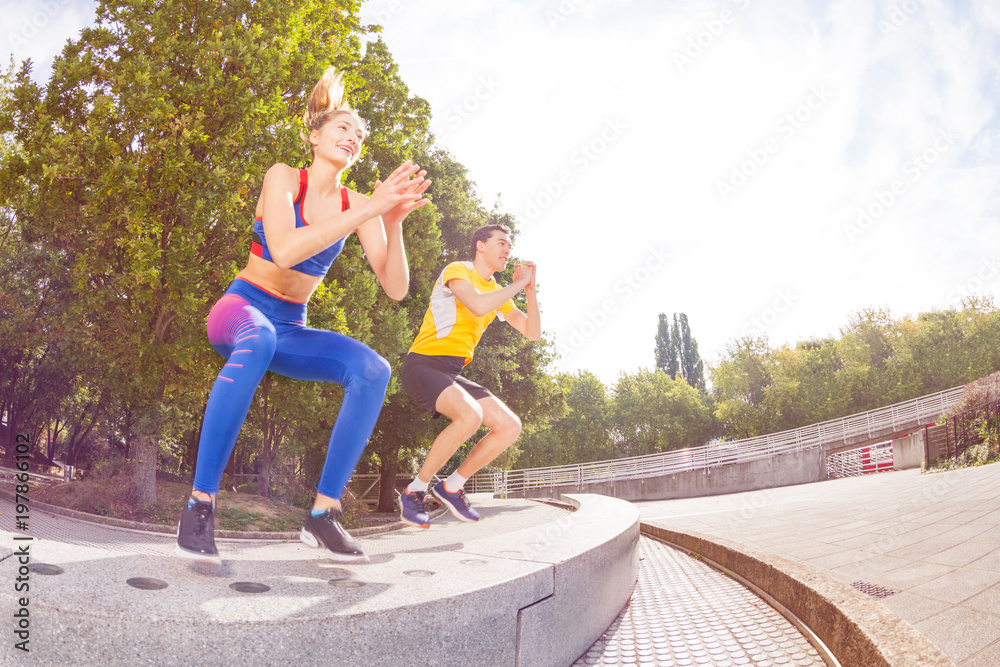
x=484 y=233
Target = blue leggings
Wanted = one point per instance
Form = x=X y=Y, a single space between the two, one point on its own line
x=256 y=332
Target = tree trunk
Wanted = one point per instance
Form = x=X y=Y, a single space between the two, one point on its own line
x=264 y=476
x=387 y=484
x=147 y=449
x=75 y=441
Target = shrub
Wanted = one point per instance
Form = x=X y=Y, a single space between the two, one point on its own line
x=108 y=467
x=355 y=512
x=978 y=392
x=299 y=494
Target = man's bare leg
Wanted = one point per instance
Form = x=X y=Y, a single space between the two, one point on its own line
x=466 y=415
x=504 y=427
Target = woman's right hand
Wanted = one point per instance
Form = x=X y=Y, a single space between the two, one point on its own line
x=398 y=188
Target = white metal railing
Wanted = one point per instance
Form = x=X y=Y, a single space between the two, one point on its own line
x=861 y=461
x=872 y=424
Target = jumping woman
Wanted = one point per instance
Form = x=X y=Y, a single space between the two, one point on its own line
x=303 y=218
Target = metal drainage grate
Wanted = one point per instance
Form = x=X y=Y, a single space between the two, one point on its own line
x=877 y=592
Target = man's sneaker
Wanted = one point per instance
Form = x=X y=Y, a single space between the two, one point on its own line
x=456 y=502
x=326 y=530
x=196 y=534
x=411 y=509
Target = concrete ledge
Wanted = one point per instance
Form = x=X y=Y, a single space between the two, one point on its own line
x=530 y=596
x=854 y=627
x=593 y=553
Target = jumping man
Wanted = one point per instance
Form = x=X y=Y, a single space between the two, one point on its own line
x=464 y=301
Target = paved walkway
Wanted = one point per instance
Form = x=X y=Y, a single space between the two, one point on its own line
x=926 y=545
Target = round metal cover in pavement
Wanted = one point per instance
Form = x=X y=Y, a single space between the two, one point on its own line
x=249 y=587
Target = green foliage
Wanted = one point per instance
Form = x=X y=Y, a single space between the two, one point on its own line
x=109 y=467
x=984 y=450
x=877 y=360
x=740 y=383
x=979 y=454
x=36 y=375
x=577 y=431
x=988 y=447
x=665 y=352
x=654 y=413
x=676 y=351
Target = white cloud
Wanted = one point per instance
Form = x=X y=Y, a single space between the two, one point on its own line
x=39 y=30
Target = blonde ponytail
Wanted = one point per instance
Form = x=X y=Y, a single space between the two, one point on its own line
x=325 y=102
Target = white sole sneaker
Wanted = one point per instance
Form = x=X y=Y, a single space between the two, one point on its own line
x=200 y=558
x=310 y=540
x=451 y=508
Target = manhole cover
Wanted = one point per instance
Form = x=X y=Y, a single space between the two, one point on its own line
x=873 y=590
x=249 y=587
x=146 y=583
x=45 y=568
x=472 y=561
x=347 y=583
x=418 y=573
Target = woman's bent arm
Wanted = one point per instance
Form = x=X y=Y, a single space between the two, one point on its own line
x=290 y=245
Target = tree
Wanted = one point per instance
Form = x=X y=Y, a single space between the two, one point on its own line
x=740 y=383
x=676 y=351
x=666 y=351
x=870 y=342
x=652 y=413
x=399 y=124
x=141 y=160
x=578 y=432
x=36 y=374
x=878 y=360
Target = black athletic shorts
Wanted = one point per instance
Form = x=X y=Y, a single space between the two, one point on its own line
x=425 y=376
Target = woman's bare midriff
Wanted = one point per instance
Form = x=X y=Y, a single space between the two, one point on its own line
x=283 y=283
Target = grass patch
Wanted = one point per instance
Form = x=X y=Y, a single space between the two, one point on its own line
x=237 y=511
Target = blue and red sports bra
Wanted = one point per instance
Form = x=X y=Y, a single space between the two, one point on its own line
x=318 y=264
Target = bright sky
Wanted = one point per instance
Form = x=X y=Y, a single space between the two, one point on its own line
x=766 y=168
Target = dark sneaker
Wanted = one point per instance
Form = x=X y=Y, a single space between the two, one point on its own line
x=411 y=509
x=456 y=502
x=196 y=534
x=326 y=530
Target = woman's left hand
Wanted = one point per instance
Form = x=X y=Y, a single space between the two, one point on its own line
x=398 y=213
